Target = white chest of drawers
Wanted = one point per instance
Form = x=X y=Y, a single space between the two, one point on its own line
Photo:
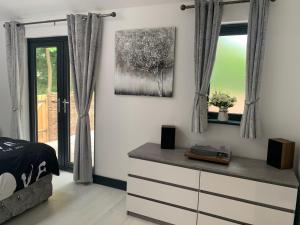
x=165 y=187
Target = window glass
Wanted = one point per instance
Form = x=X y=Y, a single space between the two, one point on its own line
x=229 y=70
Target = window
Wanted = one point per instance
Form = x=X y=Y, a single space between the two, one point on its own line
x=229 y=71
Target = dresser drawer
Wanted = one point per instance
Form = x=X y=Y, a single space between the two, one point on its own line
x=165 y=173
x=164 y=213
x=209 y=220
x=269 y=194
x=164 y=193
x=243 y=212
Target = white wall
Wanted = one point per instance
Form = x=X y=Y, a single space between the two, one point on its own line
x=125 y=122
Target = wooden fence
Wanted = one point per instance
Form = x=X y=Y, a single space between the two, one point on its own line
x=42 y=116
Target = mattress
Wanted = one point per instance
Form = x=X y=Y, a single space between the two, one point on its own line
x=23 y=163
x=26 y=198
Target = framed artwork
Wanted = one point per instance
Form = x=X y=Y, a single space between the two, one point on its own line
x=145 y=62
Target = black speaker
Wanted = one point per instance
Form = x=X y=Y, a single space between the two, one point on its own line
x=281 y=153
x=167 y=137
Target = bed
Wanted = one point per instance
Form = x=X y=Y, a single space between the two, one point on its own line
x=26 y=170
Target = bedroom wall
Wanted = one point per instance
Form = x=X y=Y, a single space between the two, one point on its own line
x=125 y=122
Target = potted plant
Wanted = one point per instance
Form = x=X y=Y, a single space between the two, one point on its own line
x=223 y=101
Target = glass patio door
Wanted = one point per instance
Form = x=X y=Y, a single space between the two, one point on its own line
x=49 y=95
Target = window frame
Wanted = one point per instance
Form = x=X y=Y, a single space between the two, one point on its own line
x=228 y=30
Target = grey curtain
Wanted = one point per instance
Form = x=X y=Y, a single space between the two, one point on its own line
x=207 y=30
x=259 y=10
x=84 y=33
x=15 y=56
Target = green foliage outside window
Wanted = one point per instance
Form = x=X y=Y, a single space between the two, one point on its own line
x=230 y=70
x=42 y=70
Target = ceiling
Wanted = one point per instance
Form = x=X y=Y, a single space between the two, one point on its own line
x=14 y=9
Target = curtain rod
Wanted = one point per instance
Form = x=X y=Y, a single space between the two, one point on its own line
x=113 y=14
x=184 y=7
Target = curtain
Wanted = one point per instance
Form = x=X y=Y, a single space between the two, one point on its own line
x=255 y=50
x=207 y=30
x=84 y=34
x=15 y=57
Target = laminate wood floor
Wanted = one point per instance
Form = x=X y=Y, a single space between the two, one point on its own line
x=74 y=204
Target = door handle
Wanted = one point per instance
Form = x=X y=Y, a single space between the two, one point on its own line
x=65 y=102
x=58 y=105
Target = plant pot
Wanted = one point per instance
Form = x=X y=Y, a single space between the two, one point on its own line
x=223 y=114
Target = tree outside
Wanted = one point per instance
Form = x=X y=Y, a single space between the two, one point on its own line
x=46 y=64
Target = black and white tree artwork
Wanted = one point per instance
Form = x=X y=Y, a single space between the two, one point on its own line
x=145 y=62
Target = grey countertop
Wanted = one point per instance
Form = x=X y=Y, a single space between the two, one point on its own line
x=246 y=168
